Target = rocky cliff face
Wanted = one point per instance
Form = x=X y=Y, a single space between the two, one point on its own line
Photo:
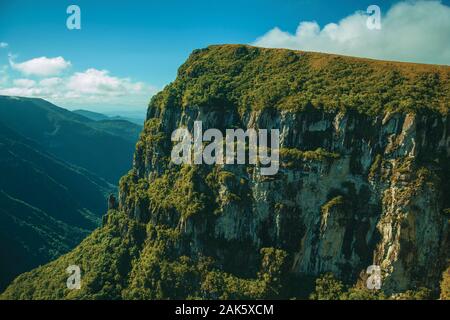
x=379 y=200
x=363 y=180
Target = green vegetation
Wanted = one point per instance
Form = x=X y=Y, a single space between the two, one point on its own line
x=104 y=258
x=330 y=288
x=156 y=276
x=46 y=206
x=419 y=294
x=226 y=177
x=174 y=191
x=253 y=78
x=49 y=201
x=336 y=201
x=375 y=167
x=445 y=285
x=327 y=288
x=293 y=158
x=175 y=236
x=130 y=260
x=102 y=147
x=360 y=292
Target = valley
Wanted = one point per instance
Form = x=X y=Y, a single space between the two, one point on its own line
x=48 y=203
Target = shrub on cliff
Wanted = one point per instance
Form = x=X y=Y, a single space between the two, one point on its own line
x=445 y=285
x=327 y=288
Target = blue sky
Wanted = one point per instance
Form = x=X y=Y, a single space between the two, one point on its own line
x=138 y=45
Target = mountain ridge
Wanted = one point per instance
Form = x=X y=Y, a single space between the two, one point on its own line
x=72 y=137
x=47 y=206
x=100 y=116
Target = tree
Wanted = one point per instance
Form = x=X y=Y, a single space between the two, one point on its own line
x=327 y=288
x=445 y=285
x=273 y=270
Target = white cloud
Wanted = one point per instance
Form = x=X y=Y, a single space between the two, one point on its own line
x=3 y=74
x=417 y=31
x=85 y=89
x=41 y=66
x=3 y=45
x=99 y=82
x=24 y=83
x=50 y=82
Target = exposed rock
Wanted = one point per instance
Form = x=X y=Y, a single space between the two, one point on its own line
x=112 y=202
x=393 y=219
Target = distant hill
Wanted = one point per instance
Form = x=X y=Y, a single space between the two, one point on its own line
x=121 y=128
x=47 y=206
x=104 y=147
x=57 y=168
x=91 y=115
x=100 y=116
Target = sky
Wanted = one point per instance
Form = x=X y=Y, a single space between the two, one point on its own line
x=126 y=51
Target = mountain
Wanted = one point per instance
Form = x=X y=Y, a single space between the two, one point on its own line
x=91 y=115
x=137 y=121
x=100 y=116
x=47 y=206
x=103 y=148
x=363 y=181
x=119 y=128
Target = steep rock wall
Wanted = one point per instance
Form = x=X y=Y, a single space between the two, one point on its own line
x=380 y=201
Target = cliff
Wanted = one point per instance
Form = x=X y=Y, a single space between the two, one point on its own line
x=363 y=180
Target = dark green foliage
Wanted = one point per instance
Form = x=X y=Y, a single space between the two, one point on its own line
x=274 y=271
x=327 y=288
x=445 y=285
x=292 y=157
x=174 y=191
x=128 y=260
x=330 y=288
x=362 y=293
x=157 y=275
x=254 y=78
x=104 y=258
x=419 y=294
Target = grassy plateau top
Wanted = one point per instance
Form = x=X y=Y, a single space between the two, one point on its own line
x=250 y=78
